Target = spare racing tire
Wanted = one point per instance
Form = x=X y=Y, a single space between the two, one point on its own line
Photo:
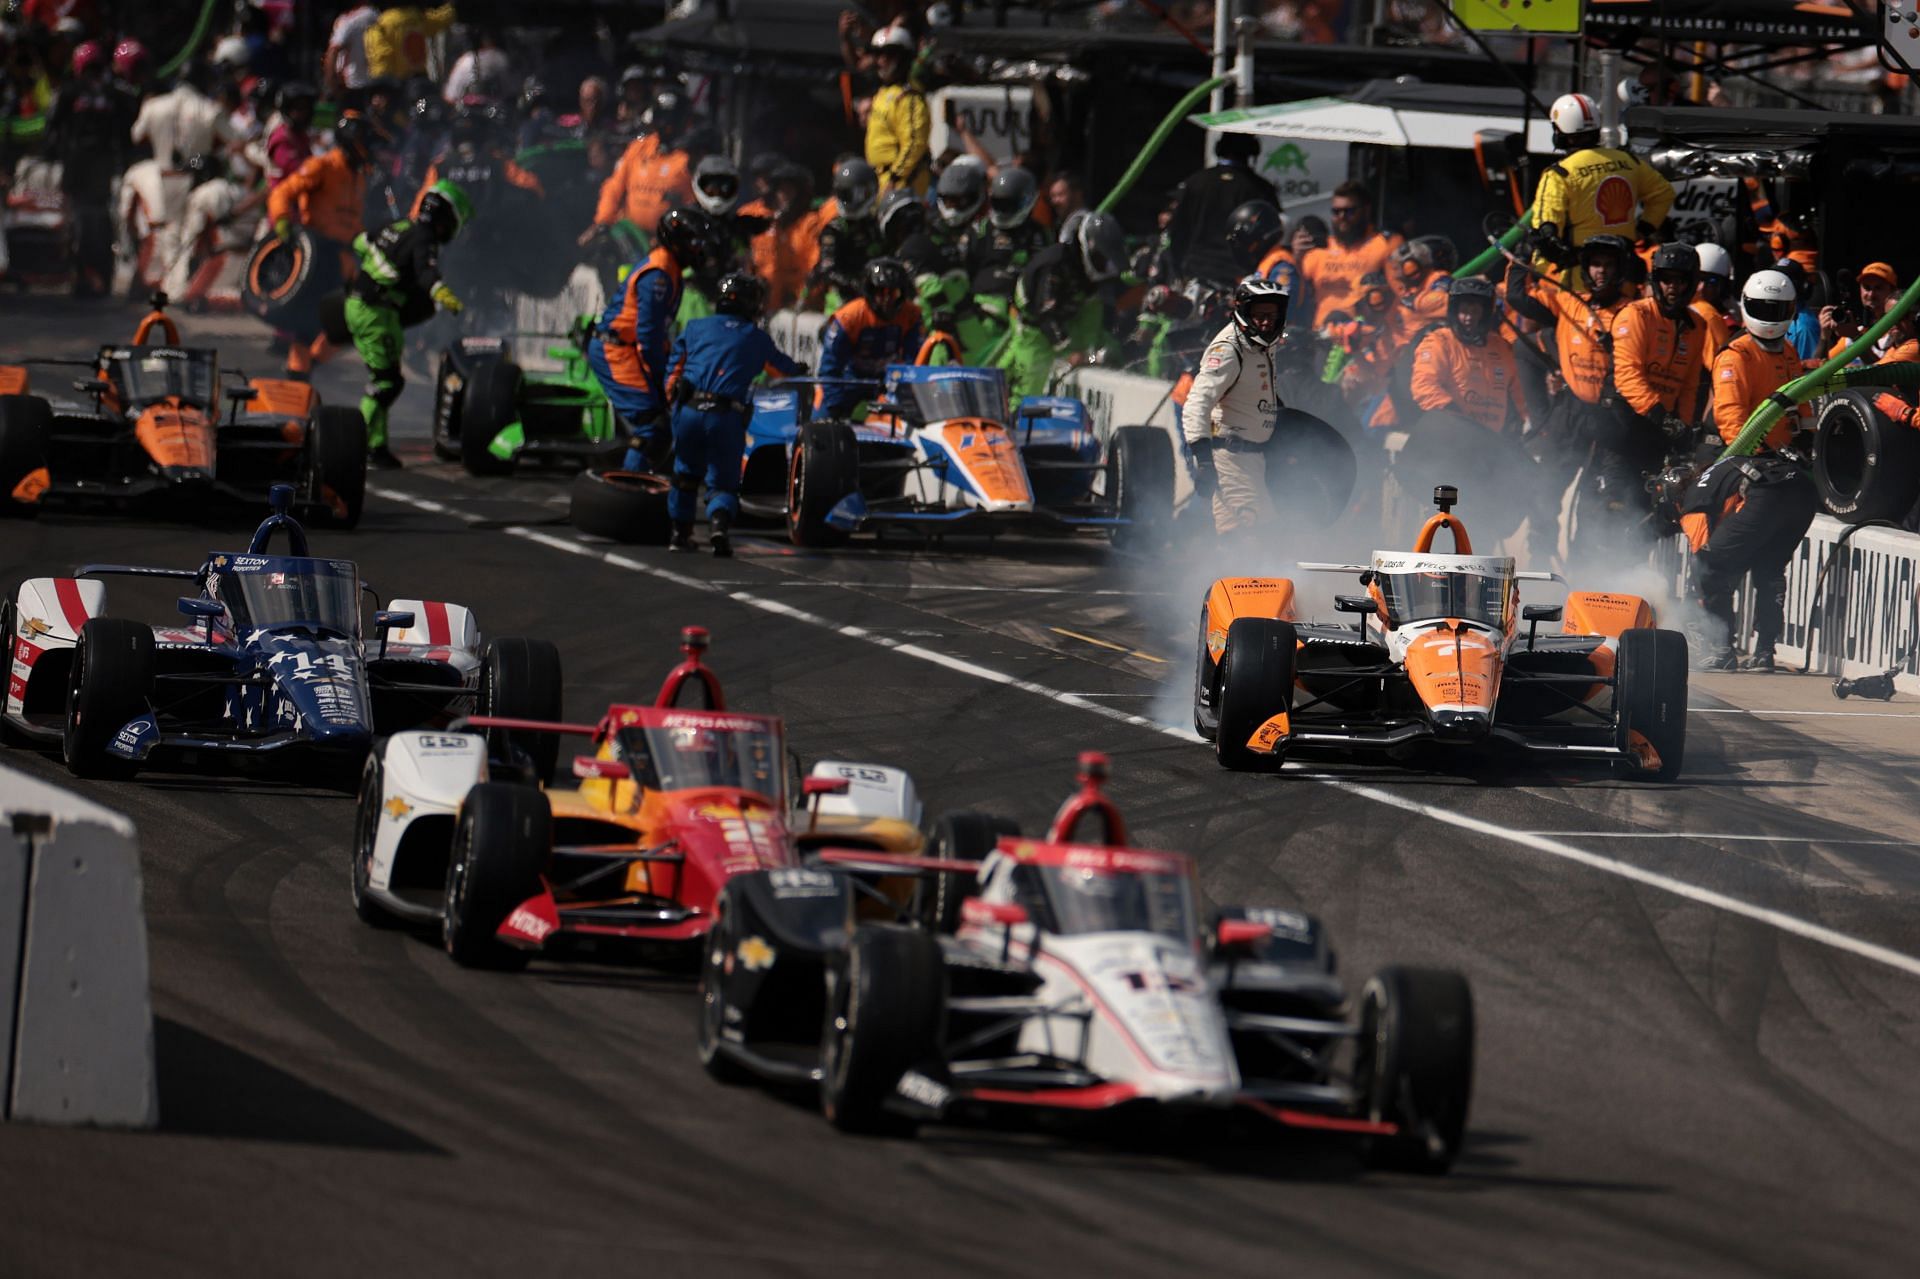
x=1310 y=469
x=25 y=423
x=626 y=506
x=1443 y=447
x=1866 y=467
x=278 y=286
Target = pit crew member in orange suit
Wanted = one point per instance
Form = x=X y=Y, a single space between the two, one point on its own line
x=326 y=195
x=1466 y=367
x=1759 y=361
x=1658 y=358
x=878 y=328
x=1355 y=250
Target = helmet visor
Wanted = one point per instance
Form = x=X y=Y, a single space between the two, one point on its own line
x=1769 y=310
x=719 y=186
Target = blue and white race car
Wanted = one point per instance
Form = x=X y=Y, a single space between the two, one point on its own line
x=273 y=657
x=938 y=451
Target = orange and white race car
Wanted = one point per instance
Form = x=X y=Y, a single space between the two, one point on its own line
x=1441 y=652
x=158 y=422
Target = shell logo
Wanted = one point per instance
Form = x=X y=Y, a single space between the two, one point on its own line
x=754 y=954
x=1614 y=201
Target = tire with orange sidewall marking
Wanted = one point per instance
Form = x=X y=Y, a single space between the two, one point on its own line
x=1650 y=696
x=1256 y=683
x=25 y=423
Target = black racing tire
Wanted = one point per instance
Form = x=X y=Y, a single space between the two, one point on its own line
x=447 y=403
x=279 y=279
x=521 y=679
x=1256 y=683
x=624 y=506
x=110 y=684
x=1447 y=448
x=1310 y=470
x=338 y=455
x=489 y=403
x=721 y=940
x=1866 y=467
x=366 y=828
x=500 y=848
x=1140 y=483
x=961 y=836
x=885 y=1011
x=825 y=468
x=1206 y=692
x=1413 y=1066
x=1650 y=695
x=25 y=423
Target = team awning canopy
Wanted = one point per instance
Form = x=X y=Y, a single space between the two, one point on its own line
x=1392 y=113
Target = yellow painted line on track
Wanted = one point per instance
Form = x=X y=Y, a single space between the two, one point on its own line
x=1118 y=648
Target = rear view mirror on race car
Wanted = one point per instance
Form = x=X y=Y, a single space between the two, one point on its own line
x=392 y=620
x=1542 y=612
x=587 y=767
x=977 y=910
x=1240 y=934
x=198 y=606
x=243 y=394
x=1355 y=604
x=824 y=786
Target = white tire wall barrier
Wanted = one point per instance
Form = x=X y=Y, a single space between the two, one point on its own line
x=76 y=1020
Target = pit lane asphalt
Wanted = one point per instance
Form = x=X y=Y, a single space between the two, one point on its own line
x=1663 y=1087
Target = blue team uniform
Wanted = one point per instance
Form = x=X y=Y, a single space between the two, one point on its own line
x=629 y=348
x=713 y=366
x=859 y=342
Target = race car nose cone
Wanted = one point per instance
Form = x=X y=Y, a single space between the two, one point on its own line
x=1461 y=725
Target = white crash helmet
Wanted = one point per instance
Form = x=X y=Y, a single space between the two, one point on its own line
x=1715 y=260
x=894 y=37
x=716 y=185
x=1633 y=92
x=1574 y=114
x=1768 y=304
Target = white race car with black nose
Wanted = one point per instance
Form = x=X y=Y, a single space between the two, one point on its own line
x=1078 y=978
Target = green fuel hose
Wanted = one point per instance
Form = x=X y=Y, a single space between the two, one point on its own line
x=1829 y=376
x=1157 y=140
x=200 y=29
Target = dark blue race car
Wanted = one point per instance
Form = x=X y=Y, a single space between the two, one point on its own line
x=273 y=658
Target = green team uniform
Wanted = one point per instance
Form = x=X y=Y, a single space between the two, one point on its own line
x=396 y=288
x=1056 y=313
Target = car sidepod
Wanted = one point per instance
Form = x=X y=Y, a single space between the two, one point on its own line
x=424 y=777
x=766 y=964
x=44 y=618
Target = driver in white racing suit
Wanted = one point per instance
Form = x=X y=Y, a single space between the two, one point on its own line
x=1229 y=414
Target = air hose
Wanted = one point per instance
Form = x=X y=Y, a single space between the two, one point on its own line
x=1507 y=240
x=200 y=29
x=1157 y=140
x=1828 y=376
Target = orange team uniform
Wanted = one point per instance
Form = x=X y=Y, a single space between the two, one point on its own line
x=1719 y=332
x=325 y=195
x=1423 y=304
x=785 y=256
x=1477 y=382
x=1657 y=362
x=1896 y=408
x=512 y=172
x=645 y=184
x=1334 y=272
x=1581 y=334
x=1745 y=374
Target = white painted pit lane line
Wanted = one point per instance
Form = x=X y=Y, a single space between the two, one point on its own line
x=1549 y=845
x=1712 y=837
x=937 y=589
x=1741 y=710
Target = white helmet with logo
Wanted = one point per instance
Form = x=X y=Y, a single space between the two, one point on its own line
x=1574 y=116
x=1767 y=305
